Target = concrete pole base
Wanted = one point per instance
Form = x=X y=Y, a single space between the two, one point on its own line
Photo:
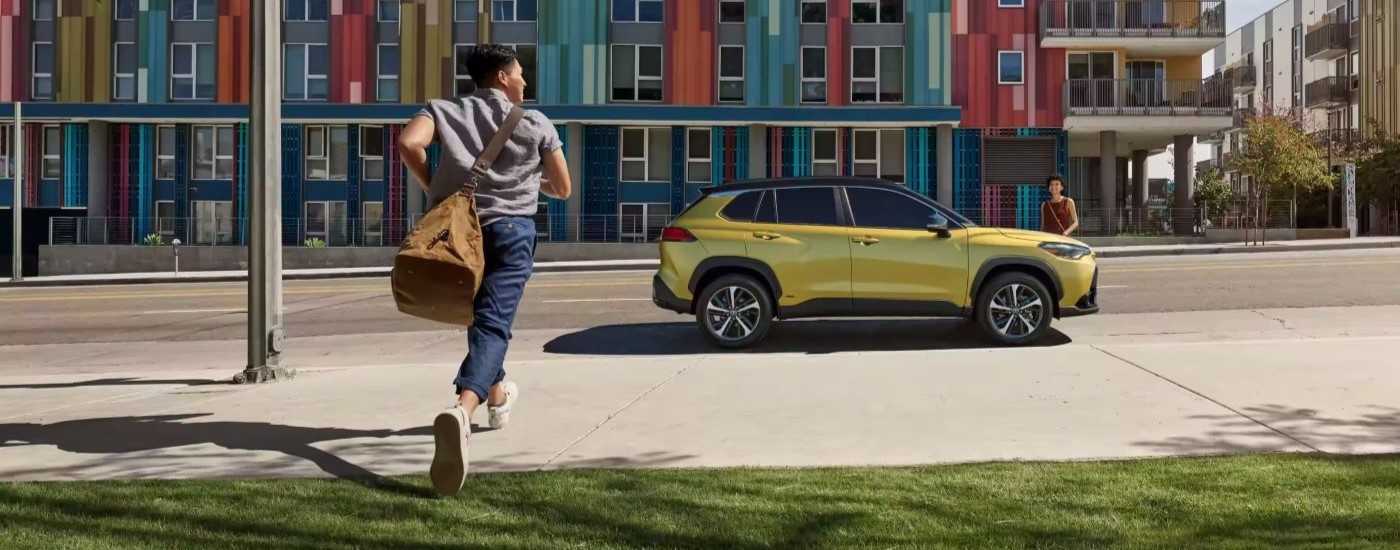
x=264 y=374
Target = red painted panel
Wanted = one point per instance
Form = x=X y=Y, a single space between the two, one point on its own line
x=32 y=154
x=689 y=71
x=234 y=74
x=838 y=39
x=980 y=30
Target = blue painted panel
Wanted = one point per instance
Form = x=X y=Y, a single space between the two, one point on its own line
x=241 y=205
x=643 y=191
x=352 y=187
x=7 y=192
x=677 y=199
x=919 y=170
x=392 y=113
x=374 y=191
x=1028 y=200
x=147 y=189
x=164 y=191
x=213 y=190
x=967 y=173
x=559 y=209
x=182 y=182
x=75 y=165
x=600 y=167
x=291 y=184
x=317 y=190
x=50 y=193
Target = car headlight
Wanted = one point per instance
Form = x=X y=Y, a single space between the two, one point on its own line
x=1066 y=250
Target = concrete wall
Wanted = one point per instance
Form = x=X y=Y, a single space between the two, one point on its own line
x=83 y=260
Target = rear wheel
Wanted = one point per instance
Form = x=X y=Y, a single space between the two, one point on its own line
x=1014 y=309
x=734 y=311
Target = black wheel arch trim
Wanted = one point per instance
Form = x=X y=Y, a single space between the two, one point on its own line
x=720 y=262
x=1039 y=265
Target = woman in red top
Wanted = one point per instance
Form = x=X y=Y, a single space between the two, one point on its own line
x=1058 y=215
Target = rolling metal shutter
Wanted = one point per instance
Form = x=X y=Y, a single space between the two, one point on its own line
x=1017 y=160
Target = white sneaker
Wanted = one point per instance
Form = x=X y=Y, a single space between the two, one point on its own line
x=451 y=429
x=499 y=416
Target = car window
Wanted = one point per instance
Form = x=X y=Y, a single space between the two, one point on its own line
x=877 y=208
x=741 y=208
x=807 y=206
x=767 y=212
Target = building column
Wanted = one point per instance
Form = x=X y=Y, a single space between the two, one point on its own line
x=944 y=162
x=1184 y=164
x=1108 y=180
x=1139 y=180
x=98 y=183
x=758 y=151
x=574 y=213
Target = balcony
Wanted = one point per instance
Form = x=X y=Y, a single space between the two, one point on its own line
x=1327 y=39
x=1209 y=164
x=1212 y=138
x=1329 y=92
x=1139 y=27
x=1241 y=116
x=1242 y=78
x=1144 y=105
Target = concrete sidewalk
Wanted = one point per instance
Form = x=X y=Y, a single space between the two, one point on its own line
x=1108 y=386
x=618 y=265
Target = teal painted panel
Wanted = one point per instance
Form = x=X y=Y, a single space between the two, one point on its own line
x=919 y=169
x=573 y=41
x=928 y=52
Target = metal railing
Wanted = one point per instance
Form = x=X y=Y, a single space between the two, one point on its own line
x=1138 y=97
x=1242 y=78
x=1242 y=115
x=1329 y=38
x=1132 y=18
x=1329 y=91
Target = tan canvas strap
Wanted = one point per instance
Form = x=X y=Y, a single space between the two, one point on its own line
x=498 y=142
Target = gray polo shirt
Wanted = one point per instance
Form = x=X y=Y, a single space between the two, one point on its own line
x=464 y=127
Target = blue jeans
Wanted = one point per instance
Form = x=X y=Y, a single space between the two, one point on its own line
x=508 y=245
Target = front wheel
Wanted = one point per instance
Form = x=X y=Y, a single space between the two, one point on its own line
x=734 y=312
x=1014 y=309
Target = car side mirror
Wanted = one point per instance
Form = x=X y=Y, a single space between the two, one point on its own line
x=938 y=225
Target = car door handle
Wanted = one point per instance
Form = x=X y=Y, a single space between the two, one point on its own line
x=865 y=240
x=766 y=235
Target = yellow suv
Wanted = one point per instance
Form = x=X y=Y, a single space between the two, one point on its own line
x=748 y=253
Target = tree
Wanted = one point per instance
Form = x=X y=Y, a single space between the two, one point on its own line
x=1279 y=155
x=1212 y=191
x=1378 y=170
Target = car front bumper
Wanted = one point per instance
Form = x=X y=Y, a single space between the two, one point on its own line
x=1088 y=304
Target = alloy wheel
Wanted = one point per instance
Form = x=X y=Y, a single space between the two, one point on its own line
x=733 y=313
x=1016 y=311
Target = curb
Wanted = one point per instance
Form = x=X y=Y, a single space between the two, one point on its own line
x=562 y=267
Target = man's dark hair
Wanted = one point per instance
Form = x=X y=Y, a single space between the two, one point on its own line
x=485 y=60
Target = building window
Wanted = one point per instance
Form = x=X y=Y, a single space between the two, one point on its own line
x=165 y=152
x=6 y=153
x=51 y=156
x=192 y=10
x=125 y=10
x=43 y=68
x=389 y=11
x=304 y=76
x=1011 y=67
x=464 y=11
x=124 y=71
x=877 y=74
x=506 y=11
x=642 y=222
x=327 y=149
x=878 y=153
x=372 y=215
x=731 y=74
x=877 y=11
x=44 y=9
x=636 y=73
x=213 y=152
x=165 y=218
x=462 y=80
x=814 y=11
x=387 y=82
x=646 y=154
x=193 y=67
x=698 y=155
x=814 y=74
x=1011 y=3
x=213 y=222
x=824 y=157
x=731 y=11
x=306 y=10
x=637 y=11
x=372 y=153
x=325 y=220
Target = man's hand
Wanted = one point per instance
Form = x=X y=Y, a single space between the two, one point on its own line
x=413 y=148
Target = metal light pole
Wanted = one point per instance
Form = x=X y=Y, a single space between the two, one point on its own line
x=17 y=199
x=265 y=334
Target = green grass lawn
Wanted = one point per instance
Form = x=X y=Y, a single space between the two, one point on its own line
x=1270 y=501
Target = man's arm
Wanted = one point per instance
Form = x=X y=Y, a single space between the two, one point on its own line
x=556 y=169
x=413 y=148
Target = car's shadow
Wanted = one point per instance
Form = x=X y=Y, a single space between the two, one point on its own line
x=816 y=337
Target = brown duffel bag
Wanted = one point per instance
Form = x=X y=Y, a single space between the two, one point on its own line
x=438 y=268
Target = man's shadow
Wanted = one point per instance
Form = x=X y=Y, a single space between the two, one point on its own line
x=150 y=433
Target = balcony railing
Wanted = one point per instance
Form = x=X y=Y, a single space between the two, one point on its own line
x=1217 y=136
x=1138 y=97
x=1208 y=165
x=1242 y=115
x=1327 y=39
x=1242 y=78
x=1329 y=92
x=1132 y=18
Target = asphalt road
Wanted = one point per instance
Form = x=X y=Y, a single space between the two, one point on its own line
x=215 y=311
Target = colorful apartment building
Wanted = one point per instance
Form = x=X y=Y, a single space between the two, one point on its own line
x=136 y=109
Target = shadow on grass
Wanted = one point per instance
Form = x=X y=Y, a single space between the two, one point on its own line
x=812 y=337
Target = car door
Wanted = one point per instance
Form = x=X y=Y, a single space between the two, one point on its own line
x=800 y=233
x=896 y=261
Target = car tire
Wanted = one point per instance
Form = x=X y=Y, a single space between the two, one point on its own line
x=996 y=295
x=754 y=312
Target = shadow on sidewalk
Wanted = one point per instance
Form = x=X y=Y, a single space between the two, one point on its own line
x=132 y=434
x=108 y=382
x=1369 y=429
x=813 y=337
